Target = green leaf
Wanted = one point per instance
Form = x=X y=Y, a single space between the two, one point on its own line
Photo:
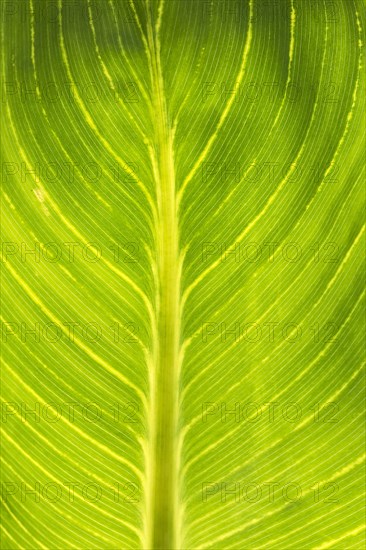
x=182 y=277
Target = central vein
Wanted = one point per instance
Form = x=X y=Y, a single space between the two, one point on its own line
x=163 y=504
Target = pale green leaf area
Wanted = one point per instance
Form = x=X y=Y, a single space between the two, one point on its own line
x=196 y=375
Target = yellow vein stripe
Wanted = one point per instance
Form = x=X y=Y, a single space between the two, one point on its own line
x=110 y=79
x=46 y=528
x=321 y=354
x=290 y=467
x=127 y=61
x=226 y=110
x=283 y=102
x=282 y=520
x=137 y=19
x=110 y=265
x=271 y=199
x=8 y=535
x=346 y=469
x=291 y=57
x=75 y=231
x=19 y=523
x=55 y=136
x=340 y=473
x=54 y=375
x=354 y=99
x=334 y=542
x=51 y=384
x=189 y=340
x=316 y=520
x=79 y=342
x=91 y=122
x=330 y=282
x=159 y=20
x=303 y=423
x=99 y=197
x=100 y=510
x=72 y=426
x=268 y=204
x=56 y=379
x=65 y=456
x=307 y=420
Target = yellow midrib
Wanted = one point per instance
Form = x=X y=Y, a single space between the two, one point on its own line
x=163 y=497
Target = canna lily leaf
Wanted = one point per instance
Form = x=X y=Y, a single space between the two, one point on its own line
x=182 y=275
